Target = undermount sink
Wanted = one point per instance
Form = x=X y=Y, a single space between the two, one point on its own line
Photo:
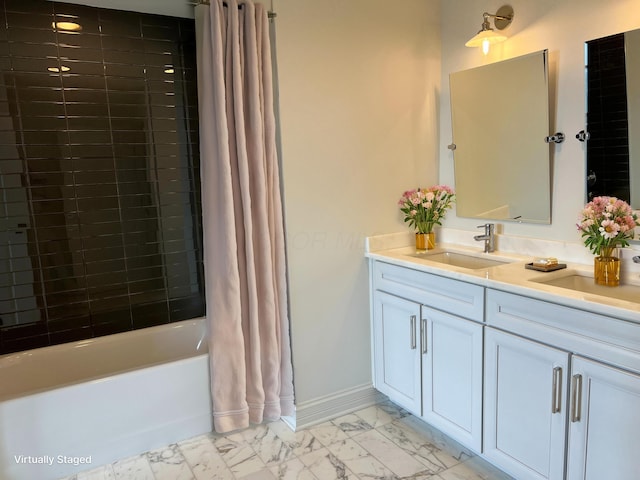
x=585 y=284
x=460 y=260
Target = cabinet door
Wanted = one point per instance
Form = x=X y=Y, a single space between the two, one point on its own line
x=396 y=353
x=452 y=376
x=604 y=432
x=525 y=400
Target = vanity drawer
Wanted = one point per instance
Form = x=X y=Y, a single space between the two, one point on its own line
x=608 y=339
x=453 y=296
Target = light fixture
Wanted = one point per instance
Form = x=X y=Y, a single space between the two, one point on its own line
x=62 y=68
x=487 y=36
x=66 y=26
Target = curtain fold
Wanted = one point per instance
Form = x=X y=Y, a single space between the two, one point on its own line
x=244 y=251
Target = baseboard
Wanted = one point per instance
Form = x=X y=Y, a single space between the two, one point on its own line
x=330 y=406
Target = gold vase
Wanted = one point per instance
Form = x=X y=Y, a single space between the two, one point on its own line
x=606 y=268
x=425 y=241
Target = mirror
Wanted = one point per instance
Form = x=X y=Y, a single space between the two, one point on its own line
x=500 y=119
x=613 y=117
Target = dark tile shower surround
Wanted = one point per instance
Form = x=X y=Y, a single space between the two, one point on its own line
x=99 y=173
x=607 y=118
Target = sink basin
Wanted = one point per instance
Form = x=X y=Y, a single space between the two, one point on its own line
x=460 y=260
x=585 y=284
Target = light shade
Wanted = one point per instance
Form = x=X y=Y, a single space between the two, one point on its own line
x=486 y=36
x=484 y=39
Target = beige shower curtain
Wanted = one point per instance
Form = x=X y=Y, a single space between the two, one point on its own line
x=251 y=373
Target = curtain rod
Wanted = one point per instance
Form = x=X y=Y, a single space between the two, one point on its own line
x=270 y=14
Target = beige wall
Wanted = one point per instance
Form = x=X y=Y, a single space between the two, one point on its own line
x=562 y=27
x=359 y=86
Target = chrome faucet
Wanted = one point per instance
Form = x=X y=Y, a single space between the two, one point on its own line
x=488 y=237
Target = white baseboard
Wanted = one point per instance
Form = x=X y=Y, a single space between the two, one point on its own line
x=330 y=406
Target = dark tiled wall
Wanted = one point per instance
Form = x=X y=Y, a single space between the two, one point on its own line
x=99 y=173
x=607 y=120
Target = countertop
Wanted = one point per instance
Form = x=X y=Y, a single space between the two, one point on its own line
x=513 y=277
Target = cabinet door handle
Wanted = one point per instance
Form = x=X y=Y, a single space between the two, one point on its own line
x=413 y=331
x=556 y=393
x=576 y=398
x=423 y=331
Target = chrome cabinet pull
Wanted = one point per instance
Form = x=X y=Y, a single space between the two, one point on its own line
x=576 y=400
x=423 y=332
x=556 y=392
x=413 y=331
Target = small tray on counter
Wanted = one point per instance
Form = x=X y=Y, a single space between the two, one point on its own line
x=545 y=268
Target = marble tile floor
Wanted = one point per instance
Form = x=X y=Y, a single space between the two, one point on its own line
x=379 y=442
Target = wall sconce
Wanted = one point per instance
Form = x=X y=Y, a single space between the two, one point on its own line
x=487 y=36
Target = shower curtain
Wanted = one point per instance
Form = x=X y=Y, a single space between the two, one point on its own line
x=245 y=277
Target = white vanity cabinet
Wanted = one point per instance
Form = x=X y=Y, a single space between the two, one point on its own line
x=538 y=383
x=452 y=376
x=428 y=347
x=397 y=358
x=604 y=428
x=525 y=406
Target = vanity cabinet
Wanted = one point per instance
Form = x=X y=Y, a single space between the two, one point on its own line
x=604 y=428
x=540 y=389
x=529 y=397
x=427 y=355
x=452 y=376
x=525 y=406
x=397 y=358
x=598 y=398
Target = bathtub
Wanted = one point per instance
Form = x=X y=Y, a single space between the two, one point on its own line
x=73 y=407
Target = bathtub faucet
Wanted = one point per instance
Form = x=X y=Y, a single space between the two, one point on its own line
x=488 y=237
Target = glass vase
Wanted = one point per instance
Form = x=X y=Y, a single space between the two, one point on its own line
x=606 y=268
x=425 y=241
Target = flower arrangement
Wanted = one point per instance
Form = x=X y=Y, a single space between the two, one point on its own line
x=607 y=223
x=425 y=208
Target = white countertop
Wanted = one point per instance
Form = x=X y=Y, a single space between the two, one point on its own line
x=512 y=277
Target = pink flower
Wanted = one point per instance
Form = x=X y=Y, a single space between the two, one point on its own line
x=609 y=229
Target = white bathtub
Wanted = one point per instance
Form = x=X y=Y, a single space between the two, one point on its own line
x=71 y=407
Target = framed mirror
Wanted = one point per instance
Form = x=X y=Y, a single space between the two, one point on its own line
x=613 y=116
x=500 y=119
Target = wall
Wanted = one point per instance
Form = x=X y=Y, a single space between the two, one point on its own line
x=359 y=86
x=562 y=27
